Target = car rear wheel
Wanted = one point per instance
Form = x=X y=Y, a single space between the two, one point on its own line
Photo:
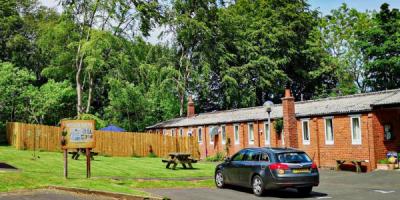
x=258 y=185
x=219 y=179
x=304 y=190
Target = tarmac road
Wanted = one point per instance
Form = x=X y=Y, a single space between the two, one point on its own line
x=333 y=185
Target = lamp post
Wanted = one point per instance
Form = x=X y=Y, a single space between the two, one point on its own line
x=268 y=108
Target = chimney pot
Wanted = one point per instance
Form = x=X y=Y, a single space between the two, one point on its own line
x=287 y=93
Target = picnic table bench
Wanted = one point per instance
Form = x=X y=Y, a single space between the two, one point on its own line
x=357 y=164
x=182 y=158
x=77 y=152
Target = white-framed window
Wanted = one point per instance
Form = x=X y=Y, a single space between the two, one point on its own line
x=236 y=133
x=251 y=133
x=200 y=135
x=267 y=134
x=355 y=122
x=189 y=133
x=305 y=127
x=223 y=134
x=329 y=136
x=164 y=132
x=212 y=136
x=181 y=132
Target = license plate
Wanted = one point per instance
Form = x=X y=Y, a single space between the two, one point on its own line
x=298 y=171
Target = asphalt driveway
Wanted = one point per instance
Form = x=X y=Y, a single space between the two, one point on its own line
x=333 y=185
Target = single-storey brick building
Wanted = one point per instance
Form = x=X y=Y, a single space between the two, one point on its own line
x=355 y=127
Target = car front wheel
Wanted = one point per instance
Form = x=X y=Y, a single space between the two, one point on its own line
x=219 y=179
x=304 y=190
x=258 y=185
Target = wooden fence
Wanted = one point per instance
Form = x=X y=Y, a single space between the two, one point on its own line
x=30 y=136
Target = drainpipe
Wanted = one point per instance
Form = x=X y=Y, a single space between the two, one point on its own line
x=318 y=147
x=244 y=142
x=259 y=135
x=205 y=139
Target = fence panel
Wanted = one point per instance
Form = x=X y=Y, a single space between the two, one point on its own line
x=40 y=137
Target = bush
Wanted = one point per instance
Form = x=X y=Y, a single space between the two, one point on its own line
x=100 y=123
x=278 y=126
x=384 y=161
x=134 y=155
x=218 y=157
x=152 y=155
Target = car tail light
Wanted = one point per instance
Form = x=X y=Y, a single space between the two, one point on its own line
x=314 y=166
x=277 y=166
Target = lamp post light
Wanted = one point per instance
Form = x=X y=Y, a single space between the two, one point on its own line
x=268 y=108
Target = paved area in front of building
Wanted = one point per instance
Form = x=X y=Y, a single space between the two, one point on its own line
x=333 y=185
x=49 y=195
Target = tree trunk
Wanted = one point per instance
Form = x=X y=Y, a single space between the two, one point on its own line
x=79 y=60
x=182 y=101
x=90 y=96
x=79 y=90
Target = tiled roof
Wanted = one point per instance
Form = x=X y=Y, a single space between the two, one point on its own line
x=329 y=106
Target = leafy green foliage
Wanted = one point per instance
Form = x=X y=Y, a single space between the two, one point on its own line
x=90 y=61
x=381 y=46
x=278 y=126
x=13 y=84
x=216 y=158
x=49 y=101
x=383 y=161
x=100 y=123
x=340 y=31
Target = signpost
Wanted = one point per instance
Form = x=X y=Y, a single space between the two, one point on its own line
x=77 y=134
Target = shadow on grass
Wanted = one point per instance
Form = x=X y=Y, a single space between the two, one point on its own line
x=181 y=168
x=283 y=193
x=7 y=167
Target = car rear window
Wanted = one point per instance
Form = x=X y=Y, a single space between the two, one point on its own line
x=293 y=157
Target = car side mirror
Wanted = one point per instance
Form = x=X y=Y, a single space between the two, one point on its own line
x=227 y=159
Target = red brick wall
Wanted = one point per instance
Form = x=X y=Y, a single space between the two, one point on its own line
x=342 y=148
x=259 y=138
x=372 y=148
x=289 y=120
x=380 y=118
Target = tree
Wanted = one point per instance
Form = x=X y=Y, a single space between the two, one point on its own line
x=191 y=23
x=89 y=15
x=49 y=102
x=381 y=46
x=340 y=36
x=267 y=44
x=13 y=82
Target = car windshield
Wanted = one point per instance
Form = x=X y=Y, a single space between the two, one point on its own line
x=293 y=157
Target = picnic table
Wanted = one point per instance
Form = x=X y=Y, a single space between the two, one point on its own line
x=77 y=152
x=357 y=164
x=182 y=158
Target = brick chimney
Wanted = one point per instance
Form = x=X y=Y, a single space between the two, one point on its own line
x=289 y=120
x=190 y=107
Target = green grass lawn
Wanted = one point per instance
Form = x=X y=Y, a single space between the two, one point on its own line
x=116 y=174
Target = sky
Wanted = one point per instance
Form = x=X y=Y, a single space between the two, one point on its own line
x=361 y=5
x=323 y=6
